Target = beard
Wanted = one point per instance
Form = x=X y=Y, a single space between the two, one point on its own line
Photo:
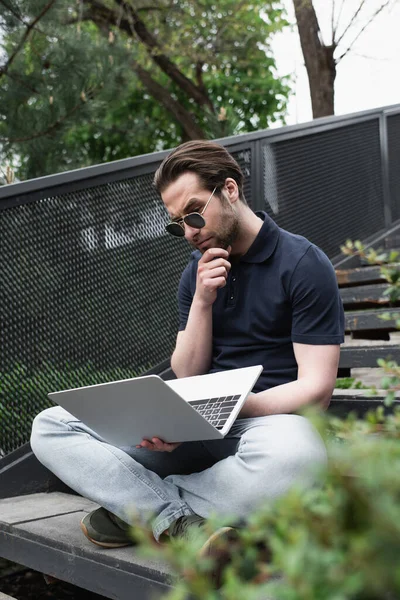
x=227 y=231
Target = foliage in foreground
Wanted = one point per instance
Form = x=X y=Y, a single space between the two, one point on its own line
x=338 y=542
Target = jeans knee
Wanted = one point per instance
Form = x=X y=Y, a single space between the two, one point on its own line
x=43 y=424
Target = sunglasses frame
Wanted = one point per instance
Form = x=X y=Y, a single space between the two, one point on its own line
x=180 y=222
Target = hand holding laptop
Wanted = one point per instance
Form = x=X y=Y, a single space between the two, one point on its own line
x=158 y=445
x=148 y=412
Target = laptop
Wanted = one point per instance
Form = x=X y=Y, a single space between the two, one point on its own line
x=203 y=407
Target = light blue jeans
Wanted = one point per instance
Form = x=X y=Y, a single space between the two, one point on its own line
x=258 y=462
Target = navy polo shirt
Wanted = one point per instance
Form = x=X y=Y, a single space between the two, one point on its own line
x=283 y=290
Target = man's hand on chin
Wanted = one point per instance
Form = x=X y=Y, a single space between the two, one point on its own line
x=158 y=445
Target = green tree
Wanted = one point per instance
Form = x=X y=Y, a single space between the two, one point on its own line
x=93 y=81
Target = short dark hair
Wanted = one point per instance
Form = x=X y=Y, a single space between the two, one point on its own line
x=211 y=162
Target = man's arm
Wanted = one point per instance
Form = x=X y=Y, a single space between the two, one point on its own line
x=192 y=354
x=317 y=372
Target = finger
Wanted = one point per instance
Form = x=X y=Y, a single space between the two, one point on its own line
x=214 y=283
x=147 y=444
x=159 y=444
x=213 y=253
x=215 y=264
x=211 y=273
x=171 y=447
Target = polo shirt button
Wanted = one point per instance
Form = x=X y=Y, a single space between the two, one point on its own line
x=231 y=297
x=233 y=278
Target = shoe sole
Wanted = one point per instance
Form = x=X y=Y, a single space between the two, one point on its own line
x=208 y=546
x=221 y=556
x=103 y=544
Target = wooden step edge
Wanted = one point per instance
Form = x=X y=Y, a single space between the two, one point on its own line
x=358 y=394
x=370 y=347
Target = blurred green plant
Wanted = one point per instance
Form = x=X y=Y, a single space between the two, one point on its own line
x=347 y=383
x=385 y=259
x=340 y=541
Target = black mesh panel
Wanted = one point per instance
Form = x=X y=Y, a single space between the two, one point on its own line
x=326 y=186
x=89 y=286
x=393 y=129
x=88 y=293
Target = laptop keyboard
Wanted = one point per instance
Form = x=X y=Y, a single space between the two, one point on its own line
x=216 y=410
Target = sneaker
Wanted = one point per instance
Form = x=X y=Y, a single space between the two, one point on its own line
x=105 y=529
x=186 y=527
x=218 y=546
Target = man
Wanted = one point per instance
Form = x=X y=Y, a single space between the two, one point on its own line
x=251 y=294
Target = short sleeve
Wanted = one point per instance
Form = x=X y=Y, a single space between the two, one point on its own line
x=185 y=295
x=317 y=308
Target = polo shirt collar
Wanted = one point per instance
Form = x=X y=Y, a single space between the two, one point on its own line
x=265 y=242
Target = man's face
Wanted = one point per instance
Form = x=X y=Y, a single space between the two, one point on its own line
x=186 y=195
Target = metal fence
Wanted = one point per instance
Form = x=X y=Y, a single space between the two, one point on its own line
x=89 y=278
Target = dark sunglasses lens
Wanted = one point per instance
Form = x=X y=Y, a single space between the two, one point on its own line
x=194 y=220
x=175 y=229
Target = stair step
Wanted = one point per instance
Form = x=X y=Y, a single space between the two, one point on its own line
x=362 y=320
x=372 y=274
x=365 y=294
x=352 y=357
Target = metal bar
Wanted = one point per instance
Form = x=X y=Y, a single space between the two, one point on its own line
x=385 y=169
x=71 y=181
x=90 y=176
x=325 y=122
x=258 y=177
x=341 y=261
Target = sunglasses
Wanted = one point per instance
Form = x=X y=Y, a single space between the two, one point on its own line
x=194 y=219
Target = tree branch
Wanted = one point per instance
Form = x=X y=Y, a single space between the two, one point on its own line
x=13 y=12
x=23 y=84
x=334 y=28
x=179 y=112
x=134 y=26
x=50 y=129
x=333 y=22
x=352 y=20
x=29 y=27
x=18 y=16
x=376 y=13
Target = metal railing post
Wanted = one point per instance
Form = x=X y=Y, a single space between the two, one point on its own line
x=258 y=176
x=387 y=208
